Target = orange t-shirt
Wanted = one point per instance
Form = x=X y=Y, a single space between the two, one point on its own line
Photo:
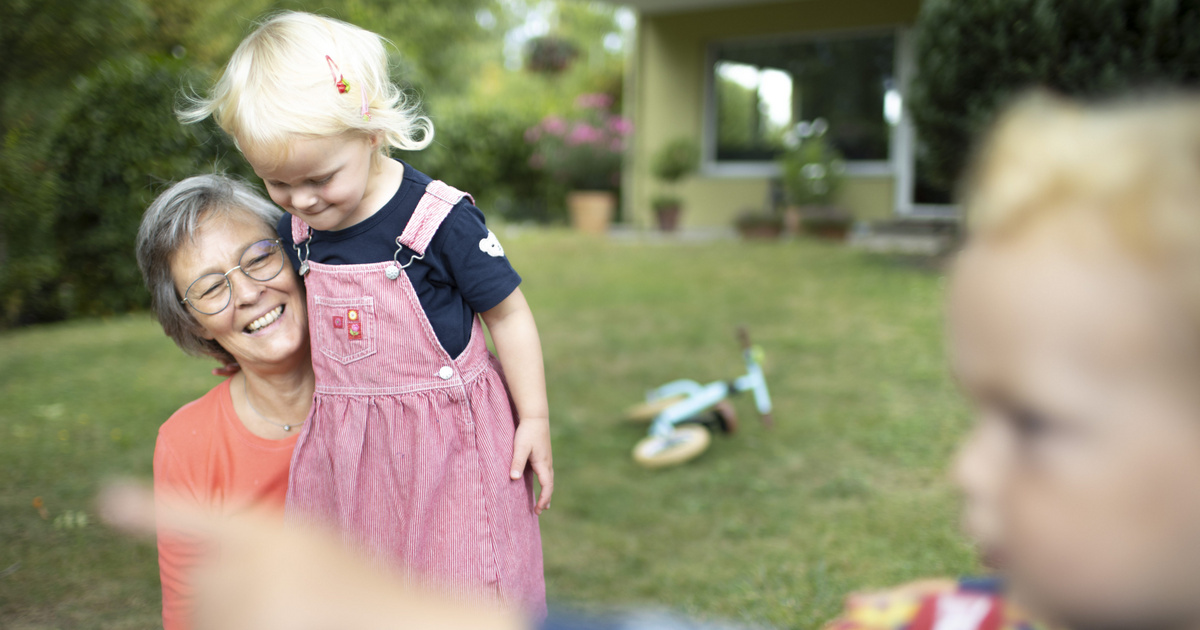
x=205 y=454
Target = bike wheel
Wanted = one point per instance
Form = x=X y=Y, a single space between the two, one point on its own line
x=684 y=443
x=647 y=411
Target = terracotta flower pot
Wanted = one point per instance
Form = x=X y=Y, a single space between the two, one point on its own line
x=825 y=222
x=591 y=211
x=759 y=226
x=667 y=217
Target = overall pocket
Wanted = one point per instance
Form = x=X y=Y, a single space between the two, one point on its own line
x=345 y=327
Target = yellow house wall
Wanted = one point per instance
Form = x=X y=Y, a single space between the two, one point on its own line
x=668 y=85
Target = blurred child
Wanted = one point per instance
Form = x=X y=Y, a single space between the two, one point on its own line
x=1074 y=327
x=417 y=446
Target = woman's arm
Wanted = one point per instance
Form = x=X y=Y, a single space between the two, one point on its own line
x=519 y=348
x=178 y=553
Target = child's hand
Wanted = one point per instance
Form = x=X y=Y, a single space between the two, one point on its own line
x=532 y=446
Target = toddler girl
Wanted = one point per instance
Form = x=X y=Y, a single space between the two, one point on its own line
x=416 y=446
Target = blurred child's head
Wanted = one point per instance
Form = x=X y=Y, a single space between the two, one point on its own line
x=279 y=87
x=1075 y=329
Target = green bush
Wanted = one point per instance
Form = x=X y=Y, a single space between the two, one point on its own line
x=77 y=195
x=28 y=258
x=975 y=56
x=483 y=152
x=812 y=168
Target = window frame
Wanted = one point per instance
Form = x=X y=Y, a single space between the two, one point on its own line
x=901 y=161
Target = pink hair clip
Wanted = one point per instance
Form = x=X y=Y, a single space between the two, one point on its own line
x=343 y=86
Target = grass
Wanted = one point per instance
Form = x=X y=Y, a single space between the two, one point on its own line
x=849 y=490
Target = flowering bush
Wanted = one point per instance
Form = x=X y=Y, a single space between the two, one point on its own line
x=812 y=168
x=583 y=152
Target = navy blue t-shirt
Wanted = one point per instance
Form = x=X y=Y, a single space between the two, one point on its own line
x=464 y=271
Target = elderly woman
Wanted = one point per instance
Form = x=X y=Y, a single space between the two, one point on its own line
x=220 y=287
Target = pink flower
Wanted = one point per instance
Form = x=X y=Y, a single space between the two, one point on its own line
x=620 y=125
x=537 y=161
x=595 y=100
x=554 y=125
x=532 y=134
x=583 y=133
x=617 y=145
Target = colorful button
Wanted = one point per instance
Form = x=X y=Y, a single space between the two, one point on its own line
x=338 y=322
x=355 y=329
x=352 y=315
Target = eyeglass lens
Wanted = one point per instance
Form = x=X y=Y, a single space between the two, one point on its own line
x=210 y=293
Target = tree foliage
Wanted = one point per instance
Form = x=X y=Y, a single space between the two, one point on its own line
x=73 y=202
x=975 y=56
x=483 y=151
x=88 y=134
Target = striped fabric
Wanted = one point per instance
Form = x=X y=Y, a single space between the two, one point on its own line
x=300 y=230
x=407 y=449
x=431 y=210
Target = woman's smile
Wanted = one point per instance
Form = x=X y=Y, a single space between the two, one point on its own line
x=266 y=320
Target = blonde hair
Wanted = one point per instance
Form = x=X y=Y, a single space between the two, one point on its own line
x=278 y=85
x=1132 y=166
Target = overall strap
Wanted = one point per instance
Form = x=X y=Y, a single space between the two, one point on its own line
x=300 y=235
x=432 y=209
x=300 y=230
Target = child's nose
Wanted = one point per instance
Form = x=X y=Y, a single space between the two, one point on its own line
x=303 y=199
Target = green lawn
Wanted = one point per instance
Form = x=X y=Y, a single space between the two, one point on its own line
x=848 y=491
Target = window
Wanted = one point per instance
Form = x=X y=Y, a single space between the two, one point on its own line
x=760 y=90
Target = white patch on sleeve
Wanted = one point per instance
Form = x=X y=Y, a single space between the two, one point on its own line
x=491 y=246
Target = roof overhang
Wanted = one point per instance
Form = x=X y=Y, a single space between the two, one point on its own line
x=680 y=6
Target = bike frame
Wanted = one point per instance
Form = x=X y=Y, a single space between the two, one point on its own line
x=698 y=398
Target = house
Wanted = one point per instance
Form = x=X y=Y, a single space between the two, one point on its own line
x=739 y=74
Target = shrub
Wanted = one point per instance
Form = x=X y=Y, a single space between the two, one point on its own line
x=29 y=263
x=812 y=168
x=483 y=152
x=114 y=145
x=673 y=162
x=582 y=152
x=975 y=56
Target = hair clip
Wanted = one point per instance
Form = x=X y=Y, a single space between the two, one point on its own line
x=343 y=86
x=338 y=79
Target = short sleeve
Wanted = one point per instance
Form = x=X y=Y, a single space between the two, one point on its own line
x=474 y=258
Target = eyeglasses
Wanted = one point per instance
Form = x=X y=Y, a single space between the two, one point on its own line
x=210 y=293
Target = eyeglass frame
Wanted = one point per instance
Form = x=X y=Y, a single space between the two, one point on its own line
x=228 y=284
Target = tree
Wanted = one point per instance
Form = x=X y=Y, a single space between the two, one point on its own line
x=113 y=146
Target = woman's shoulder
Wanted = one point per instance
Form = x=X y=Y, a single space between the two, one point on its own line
x=974 y=604
x=191 y=422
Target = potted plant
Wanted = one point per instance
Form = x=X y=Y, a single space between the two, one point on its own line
x=812 y=173
x=672 y=163
x=583 y=153
x=758 y=224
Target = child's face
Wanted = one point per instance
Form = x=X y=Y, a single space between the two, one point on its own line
x=325 y=181
x=1082 y=476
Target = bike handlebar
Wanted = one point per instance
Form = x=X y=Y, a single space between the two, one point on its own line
x=743 y=334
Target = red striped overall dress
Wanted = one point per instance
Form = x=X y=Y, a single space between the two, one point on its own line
x=407 y=449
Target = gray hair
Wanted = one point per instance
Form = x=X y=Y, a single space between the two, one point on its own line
x=169 y=223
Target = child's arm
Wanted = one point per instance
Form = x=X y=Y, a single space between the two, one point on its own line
x=520 y=351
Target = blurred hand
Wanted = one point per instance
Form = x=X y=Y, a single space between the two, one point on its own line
x=268 y=577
